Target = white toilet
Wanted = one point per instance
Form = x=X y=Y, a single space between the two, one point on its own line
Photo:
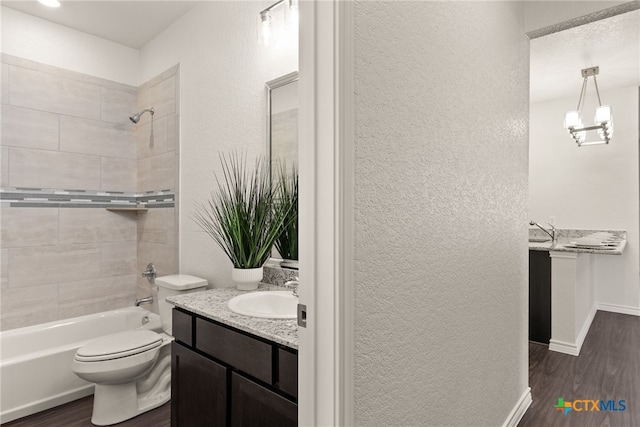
x=132 y=370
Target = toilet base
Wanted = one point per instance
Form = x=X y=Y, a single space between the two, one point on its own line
x=115 y=403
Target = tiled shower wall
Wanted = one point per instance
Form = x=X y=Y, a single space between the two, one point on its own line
x=158 y=158
x=68 y=131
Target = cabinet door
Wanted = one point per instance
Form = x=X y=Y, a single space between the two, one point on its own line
x=254 y=406
x=539 y=296
x=198 y=390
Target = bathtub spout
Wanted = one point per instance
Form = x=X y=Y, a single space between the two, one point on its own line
x=147 y=300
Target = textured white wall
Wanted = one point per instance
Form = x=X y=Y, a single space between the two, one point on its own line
x=43 y=41
x=222 y=75
x=591 y=187
x=441 y=285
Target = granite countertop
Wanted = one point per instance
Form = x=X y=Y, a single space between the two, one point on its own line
x=566 y=237
x=212 y=304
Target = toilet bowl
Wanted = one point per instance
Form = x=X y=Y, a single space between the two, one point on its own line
x=132 y=370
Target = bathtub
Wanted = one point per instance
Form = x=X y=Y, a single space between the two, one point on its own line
x=35 y=361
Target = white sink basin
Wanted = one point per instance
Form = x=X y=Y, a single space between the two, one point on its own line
x=266 y=304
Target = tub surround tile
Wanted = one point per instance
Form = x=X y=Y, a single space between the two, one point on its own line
x=4 y=257
x=164 y=257
x=39 y=168
x=157 y=171
x=60 y=72
x=118 y=174
x=152 y=143
x=67 y=143
x=95 y=295
x=172 y=133
x=28 y=306
x=4 y=84
x=22 y=127
x=110 y=84
x=4 y=166
x=52 y=264
x=119 y=259
x=162 y=97
x=21 y=227
x=53 y=93
x=212 y=304
x=157 y=226
x=118 y=105
x=96 y=226
x=20 y=62
x=78 y=135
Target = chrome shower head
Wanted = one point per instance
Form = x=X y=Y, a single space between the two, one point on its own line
x=136 y=117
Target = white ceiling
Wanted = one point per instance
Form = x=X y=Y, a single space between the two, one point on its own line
x=131 y=23
x=613 y=44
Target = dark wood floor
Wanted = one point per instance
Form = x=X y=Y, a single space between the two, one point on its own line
x=608 y=368
x=78 y=414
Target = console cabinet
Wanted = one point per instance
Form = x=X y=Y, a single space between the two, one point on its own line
x=539 y=296
x=222 y=376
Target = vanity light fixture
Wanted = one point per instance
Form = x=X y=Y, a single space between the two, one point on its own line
x=266 y=33
x=50 y=3
x=603 y=118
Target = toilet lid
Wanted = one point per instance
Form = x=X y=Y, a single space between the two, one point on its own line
x=119 y=345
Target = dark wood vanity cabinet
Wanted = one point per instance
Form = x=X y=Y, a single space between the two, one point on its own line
x=222 y=376
x=539 y=296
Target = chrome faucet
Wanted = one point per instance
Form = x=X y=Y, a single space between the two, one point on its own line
x=150 y=273
x=293 y=284
x=146 y=300
x=553 y=234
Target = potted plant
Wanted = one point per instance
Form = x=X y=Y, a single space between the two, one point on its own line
x=286 y=204
x=240 y=218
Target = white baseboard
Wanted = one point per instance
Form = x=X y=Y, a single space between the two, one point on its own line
x=563 y=347
x=585 y=328
x=574 y=348
x=622 y=309
x=518 y=411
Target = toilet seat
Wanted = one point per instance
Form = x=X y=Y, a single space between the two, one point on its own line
x=119 y=345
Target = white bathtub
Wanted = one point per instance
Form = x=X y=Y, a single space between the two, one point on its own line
x=35 y=361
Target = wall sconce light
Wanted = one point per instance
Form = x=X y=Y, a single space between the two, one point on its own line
x=266 y=33
x=603 y=119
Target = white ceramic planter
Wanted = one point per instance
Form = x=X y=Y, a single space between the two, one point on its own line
x=246 y=279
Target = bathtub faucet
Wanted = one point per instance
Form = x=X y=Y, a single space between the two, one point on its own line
x=147 y=300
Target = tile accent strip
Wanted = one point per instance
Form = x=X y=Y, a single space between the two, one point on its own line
x=60 y=198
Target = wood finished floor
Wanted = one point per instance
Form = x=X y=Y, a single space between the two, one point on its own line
x=608 y=368
x=78 y=414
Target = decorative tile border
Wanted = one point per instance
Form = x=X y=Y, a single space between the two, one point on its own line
x=60 y=198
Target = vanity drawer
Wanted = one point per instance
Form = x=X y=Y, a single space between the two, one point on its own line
x=182 y=326
x=247 y=354
x=288 y=372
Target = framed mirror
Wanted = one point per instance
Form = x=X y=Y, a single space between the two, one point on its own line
x=282 y=152
x=282 y=121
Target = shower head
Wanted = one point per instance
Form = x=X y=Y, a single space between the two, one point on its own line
x=136 y=117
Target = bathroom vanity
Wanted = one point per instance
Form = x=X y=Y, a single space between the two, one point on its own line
x=228 y=369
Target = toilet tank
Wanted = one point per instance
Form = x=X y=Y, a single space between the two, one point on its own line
x=175 y=284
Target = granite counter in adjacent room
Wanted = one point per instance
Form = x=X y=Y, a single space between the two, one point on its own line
x=212 y=304
x=567 y=236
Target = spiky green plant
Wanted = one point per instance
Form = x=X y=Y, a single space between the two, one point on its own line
x=239 y=216
x=286 y=204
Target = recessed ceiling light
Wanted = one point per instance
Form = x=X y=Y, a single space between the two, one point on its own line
x=50 y=3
